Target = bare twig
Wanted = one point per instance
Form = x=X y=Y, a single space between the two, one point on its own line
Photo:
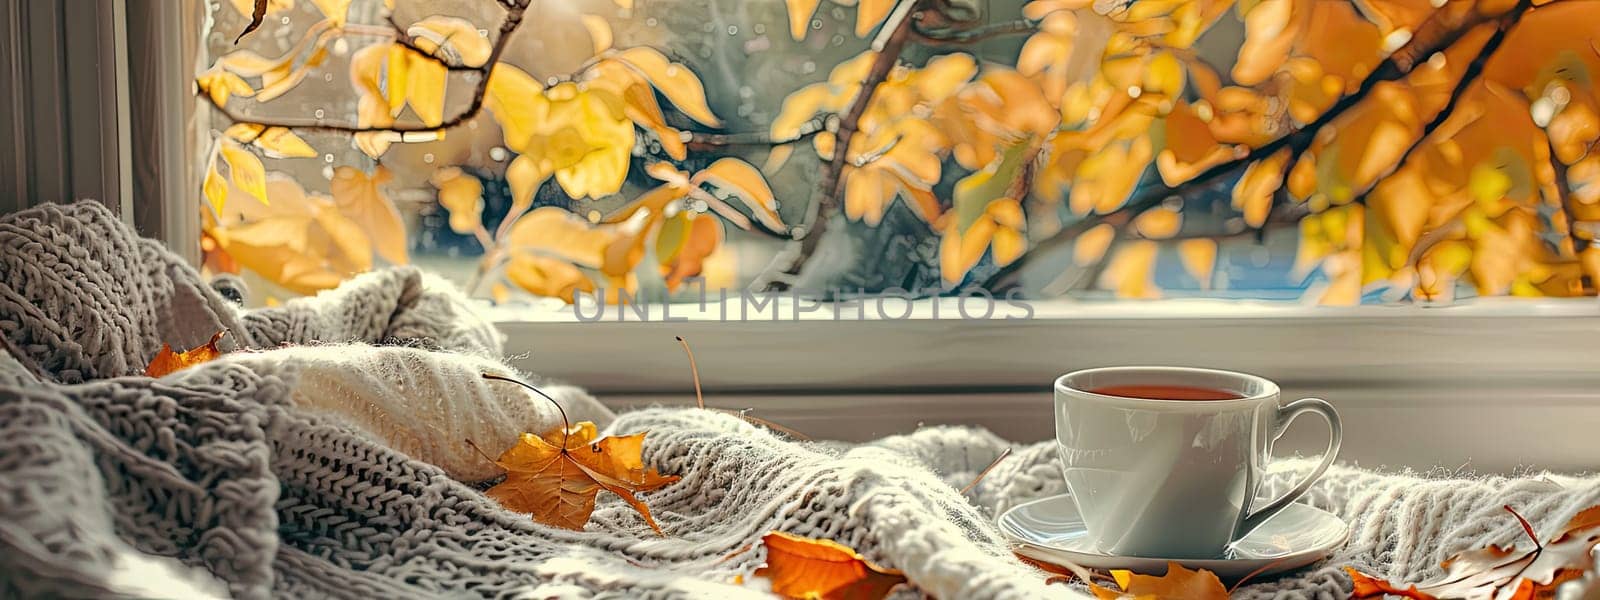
x=513 y=20
x=1428 y=41
x=974 y=35
x=985 y=472
x=892 y=40
x=702 y=141
x=406 y=39
x=694 y=371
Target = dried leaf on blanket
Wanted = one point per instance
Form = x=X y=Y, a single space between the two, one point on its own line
x=1503 y=573
x=556 y=477
x=167 y=361
x=802 y=567
x=1178 y=582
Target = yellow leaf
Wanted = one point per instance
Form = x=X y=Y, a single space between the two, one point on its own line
x=1158 y=223
x=517 y=101
x=397 y=78
x=800 y=12
x=1199 y=259
x=799 y=108
x=462 y=196
x=1303 y=178
x=747 y=184
x=451 y=38
x=525 y=175
x=221 y=85
x=1268 y=38
x=215 y=189
x=1261 y=180
x=584 y=139
x=800 y=567
x=869 y=13
x=599 y=32
x=425 y=92
x=357 y=196
x=1131 y=271
x=676 y=82
x=548 y=277
x=346 y=249
x=960 y=250
x=1488 y=184
x=283 y=142
x=1092 y=244
x=1384 y=146
x=684 y=243
x=548 y=230
x=166 y=361
x=246 y=171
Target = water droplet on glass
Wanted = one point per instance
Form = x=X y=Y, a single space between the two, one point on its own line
x=808 y=67
x=593 y=216
x=746 y=92
x=733 y=30
x=428 y=158
x=327 y=76
x=483 y=33
x=341 y=47
x=816 y=24
x=327 y=158
x=319 y=113
x=1259 y=257
x=284 y=20
x=652 y=22
x=759 y=28
x=837 y=40
x=497 y=154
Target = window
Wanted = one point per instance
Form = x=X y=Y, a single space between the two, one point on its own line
x=1323 y=151
x=1237 y=160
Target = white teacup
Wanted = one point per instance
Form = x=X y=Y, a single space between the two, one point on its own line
x=1169 y=477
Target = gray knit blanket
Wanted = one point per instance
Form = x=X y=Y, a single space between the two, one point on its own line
x=321 y=460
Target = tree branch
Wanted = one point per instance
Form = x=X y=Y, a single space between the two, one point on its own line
x=891 y=41
x=1399 y=64
x=703 y=141
x=406 y=39
x=512 y=21
x=974 y=35
x=1469 y=76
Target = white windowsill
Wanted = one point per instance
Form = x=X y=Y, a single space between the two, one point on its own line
x=1489 y=385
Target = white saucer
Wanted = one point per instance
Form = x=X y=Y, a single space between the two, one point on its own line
x=1050 y=529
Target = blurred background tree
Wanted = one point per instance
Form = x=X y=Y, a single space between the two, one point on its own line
x=1385 y=150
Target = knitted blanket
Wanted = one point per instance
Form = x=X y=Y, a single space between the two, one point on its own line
x=329 y=468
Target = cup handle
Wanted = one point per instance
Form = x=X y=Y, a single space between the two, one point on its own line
x=1286 y=415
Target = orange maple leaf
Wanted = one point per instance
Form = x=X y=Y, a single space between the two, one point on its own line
x=167 y=361
x=555 y=477
x=1179 y=582
x=801 y=567
x=1503 y=572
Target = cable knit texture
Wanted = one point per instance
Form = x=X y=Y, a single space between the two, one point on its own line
x=329 y=470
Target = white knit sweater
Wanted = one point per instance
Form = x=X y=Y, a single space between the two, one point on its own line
x=331 y=469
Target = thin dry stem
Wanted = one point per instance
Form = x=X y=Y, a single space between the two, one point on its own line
x=566 y=424
x=694 y=371
x=985 y=471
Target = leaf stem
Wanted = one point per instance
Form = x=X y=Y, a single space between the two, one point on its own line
x=566 y=424
x=694 y=370
x=986 y=470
